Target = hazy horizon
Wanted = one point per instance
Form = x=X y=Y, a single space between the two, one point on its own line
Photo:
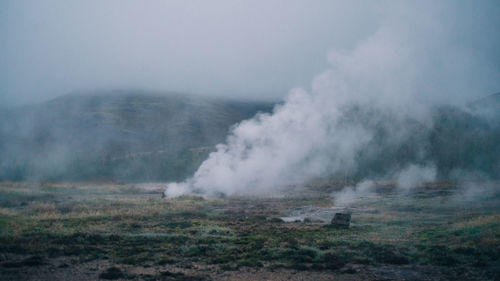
x=233 y=49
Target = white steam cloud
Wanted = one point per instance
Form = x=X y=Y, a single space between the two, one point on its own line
x=415 y=175
x=353 y=194
x=400 y=69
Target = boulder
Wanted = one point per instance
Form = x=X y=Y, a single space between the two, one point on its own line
x=341 y=220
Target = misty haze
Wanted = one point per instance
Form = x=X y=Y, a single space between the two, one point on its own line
x=244 y=140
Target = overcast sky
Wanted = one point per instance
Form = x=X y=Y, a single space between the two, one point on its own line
x=249 y=49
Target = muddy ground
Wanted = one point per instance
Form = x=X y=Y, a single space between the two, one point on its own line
x=90 y=231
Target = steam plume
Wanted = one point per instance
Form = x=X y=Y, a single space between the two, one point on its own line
x=311 y=133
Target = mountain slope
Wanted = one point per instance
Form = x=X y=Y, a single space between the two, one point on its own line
x=125 y=135
x=138 y=136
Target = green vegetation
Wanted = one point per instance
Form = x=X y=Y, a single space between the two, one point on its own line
x=128 y=226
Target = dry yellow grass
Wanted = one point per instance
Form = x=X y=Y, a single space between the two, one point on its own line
x=476 y=221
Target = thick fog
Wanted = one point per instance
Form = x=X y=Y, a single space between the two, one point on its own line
x=369 y=90
x=373 y=100
x=250 y=49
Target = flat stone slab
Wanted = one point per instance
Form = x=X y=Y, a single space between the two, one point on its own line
x=322 y=214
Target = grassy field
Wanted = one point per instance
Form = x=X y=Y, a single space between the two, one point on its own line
x=87 y=231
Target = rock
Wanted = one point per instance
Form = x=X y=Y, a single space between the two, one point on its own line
x=31 y=261
x=342 y=220
x=275 y=220
x=350 y=269
x=112 y=273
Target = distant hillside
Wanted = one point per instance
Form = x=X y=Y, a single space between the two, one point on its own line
x=116 y=135
x=492 y=101
x=459 y=142
x=138 y=136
